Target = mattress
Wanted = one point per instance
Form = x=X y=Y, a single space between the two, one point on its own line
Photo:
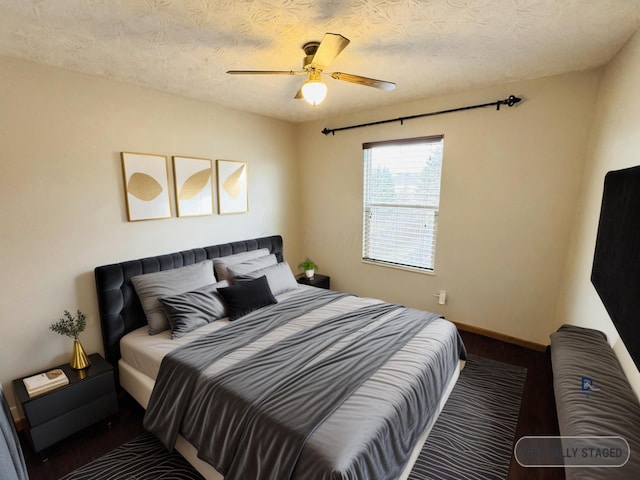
x=351 y=423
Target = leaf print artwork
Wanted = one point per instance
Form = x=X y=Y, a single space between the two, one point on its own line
x=234 y=183
x=144 y=187
x=194 y=184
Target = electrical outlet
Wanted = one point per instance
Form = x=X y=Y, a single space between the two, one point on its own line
x=442 y=297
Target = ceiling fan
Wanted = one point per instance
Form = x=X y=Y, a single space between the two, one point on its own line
x=318 y=56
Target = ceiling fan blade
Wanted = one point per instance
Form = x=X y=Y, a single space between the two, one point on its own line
x=330 y=47
x=267 y=72
x=368 y=82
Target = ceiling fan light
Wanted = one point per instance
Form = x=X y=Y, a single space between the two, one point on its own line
x=314 y=92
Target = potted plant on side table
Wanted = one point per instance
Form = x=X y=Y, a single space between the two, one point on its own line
x=309 y=267
x=72 y=326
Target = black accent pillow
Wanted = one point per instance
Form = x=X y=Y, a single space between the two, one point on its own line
x=246 y=297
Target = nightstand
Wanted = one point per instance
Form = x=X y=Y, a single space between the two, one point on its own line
x=321 y=281
x=89 y=397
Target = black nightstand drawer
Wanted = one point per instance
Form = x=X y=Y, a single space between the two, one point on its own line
x=70 y=397
x=320 y=281
x=48 y=433
x=89 y=397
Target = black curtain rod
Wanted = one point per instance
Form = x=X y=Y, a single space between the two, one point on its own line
x=510 y=101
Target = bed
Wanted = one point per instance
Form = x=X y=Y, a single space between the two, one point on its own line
x=356 y=401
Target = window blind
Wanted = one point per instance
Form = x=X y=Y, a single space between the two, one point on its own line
x=401 y=201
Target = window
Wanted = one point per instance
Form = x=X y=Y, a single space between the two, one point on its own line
x=401 y=202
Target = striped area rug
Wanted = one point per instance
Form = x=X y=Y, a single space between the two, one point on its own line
x=143 y=458
x=472 y=438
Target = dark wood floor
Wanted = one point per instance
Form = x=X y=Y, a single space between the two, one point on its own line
x=537 y=417
x=87 y=445
x=538 y=409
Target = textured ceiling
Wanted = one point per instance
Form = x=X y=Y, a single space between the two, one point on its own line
x=427 y=47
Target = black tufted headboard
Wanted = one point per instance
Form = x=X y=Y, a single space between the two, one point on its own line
x=118 y=304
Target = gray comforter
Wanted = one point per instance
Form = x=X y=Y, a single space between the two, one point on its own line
x=300 y=368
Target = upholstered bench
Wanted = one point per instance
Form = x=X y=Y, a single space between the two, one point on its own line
x=594 y=398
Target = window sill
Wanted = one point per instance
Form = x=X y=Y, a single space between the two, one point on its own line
x=400 y=267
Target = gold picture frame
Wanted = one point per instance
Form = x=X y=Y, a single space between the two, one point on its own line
x=193 y=186
x=146 y=186
x=233 y=195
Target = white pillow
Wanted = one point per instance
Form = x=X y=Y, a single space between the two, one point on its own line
x=279 y=276
x=221 y=264
x=151 y=286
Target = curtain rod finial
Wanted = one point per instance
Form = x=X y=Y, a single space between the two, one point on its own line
x=512 y=100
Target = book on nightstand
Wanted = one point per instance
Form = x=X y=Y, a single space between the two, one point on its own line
x=45 y=382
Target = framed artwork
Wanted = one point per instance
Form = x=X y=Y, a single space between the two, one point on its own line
x=232 y=186
x=146 y=186
x=194 y=186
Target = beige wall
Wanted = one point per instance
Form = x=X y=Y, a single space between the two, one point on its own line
x=614 y=144
x=63 y=208
x=510 y=184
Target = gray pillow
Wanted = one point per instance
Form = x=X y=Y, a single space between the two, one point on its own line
x=194 y=309
x=152 y=286
x=222 y=263
x=279 y=276
x=251 y=265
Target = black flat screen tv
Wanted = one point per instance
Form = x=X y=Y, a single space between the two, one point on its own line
x=616 y=261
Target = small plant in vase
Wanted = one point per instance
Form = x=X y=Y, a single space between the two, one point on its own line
x=309 y=267
x=72 y=326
